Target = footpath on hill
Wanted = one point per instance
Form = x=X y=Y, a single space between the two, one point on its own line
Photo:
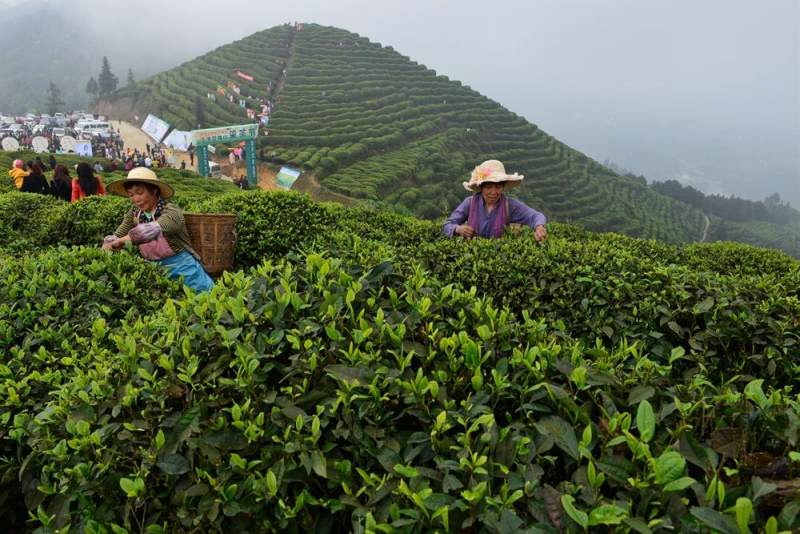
x=132 y=136
x=289 y=61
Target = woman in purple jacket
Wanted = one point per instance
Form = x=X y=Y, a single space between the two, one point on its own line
x=489 y=210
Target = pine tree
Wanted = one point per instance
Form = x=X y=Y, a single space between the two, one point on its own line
x=107 y=81
x=54 y=100
x=131 y=81
x=92 y=88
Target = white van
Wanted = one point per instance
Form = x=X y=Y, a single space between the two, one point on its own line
x=94 y=128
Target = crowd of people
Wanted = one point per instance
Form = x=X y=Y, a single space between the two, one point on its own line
x=50 y=178
x=105 y=143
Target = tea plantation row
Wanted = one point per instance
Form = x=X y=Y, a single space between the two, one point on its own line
x=180 y=96
x=360 y=372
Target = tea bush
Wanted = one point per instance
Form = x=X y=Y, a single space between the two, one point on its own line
x=48 y=298
x=270 y=224
x=50 y=302
x=373 y=376
x=304 y=397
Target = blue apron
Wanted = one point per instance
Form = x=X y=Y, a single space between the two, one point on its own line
x=185 y=265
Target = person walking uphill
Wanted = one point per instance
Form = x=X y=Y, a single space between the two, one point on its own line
x=157 y=227
x=489 y=210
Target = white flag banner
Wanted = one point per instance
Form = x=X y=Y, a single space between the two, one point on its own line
x=178 y=140
x=155 y=128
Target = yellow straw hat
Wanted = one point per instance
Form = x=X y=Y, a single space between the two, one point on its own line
x=493 y=172
x=141 y=175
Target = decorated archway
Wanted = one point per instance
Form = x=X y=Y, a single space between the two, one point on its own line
x=202 y=139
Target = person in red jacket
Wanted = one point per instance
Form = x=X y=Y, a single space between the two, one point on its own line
x=86 y=184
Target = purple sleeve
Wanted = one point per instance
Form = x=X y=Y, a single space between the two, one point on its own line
x=458 y=217
x=522 y=214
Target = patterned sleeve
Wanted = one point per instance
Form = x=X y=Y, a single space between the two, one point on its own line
x=127 y=224
x=171 y=220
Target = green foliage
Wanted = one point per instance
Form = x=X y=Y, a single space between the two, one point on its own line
x=270 y=224
x=323 y=396
x=368 y=374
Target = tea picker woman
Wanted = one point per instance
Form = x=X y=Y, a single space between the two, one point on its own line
x=488 y=211
x=157 y=227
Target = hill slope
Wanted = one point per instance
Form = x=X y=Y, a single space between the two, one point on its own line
x=372 y=124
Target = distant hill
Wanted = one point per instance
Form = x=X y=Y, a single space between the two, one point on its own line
x=371 y=124
x=770 y=222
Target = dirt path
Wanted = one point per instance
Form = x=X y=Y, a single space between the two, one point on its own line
x=132 y=136
x=267 y=178
x=289 y=60
x=308 y=183
x=705 y=230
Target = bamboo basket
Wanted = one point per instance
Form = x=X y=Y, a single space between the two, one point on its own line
x=213 y=237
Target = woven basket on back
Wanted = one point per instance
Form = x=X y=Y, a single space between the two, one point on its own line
x=213 y=237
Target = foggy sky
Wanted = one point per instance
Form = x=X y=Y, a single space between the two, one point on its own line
x=708 y=91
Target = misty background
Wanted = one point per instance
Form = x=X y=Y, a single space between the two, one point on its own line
x=704 y=92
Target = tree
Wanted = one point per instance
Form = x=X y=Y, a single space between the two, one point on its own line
x=54 y=100
x=92 y=88
x=131 y=81
x=107 y=81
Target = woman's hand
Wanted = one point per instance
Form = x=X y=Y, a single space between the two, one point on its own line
x=541 y=233
x=465 y=230
x=112 y=242
x=107 y=241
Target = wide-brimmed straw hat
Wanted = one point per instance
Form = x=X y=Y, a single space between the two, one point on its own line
x=141 y=175
x=492 y=172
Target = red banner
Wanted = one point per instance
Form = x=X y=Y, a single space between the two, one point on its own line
x=244 y=76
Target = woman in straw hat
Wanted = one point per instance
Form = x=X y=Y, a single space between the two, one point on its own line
x=489 y=210
x=157 y=227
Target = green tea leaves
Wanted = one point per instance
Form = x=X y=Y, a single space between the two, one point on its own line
x=645 y=421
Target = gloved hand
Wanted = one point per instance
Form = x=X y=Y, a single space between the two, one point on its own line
x=144 y=233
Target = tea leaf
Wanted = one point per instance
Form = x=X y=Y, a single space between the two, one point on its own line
x=646 y=421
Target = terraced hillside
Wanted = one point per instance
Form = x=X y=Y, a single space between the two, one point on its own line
x=372 y=124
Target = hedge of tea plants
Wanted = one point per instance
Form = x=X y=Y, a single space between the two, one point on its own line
x=359 y=372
